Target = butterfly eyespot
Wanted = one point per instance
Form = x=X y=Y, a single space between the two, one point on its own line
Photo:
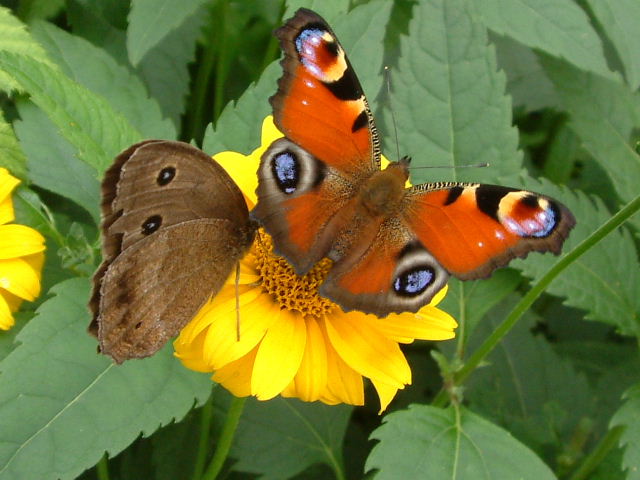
x=166 y=175
x=286 y=170
x=414 y=282
x=532 y=216
x=151 y=224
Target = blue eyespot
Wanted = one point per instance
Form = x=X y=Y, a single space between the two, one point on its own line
x=414 y=282
x=285 y=168
x=547 y=222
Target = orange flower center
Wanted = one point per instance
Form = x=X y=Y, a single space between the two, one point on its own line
x=291 y=291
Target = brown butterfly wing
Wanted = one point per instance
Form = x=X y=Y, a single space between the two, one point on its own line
x=158 y=284
x=174 y=224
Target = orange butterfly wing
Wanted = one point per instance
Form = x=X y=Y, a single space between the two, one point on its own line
x=319 y=104
x=472 y=229
x=331 y=145
x=313 y=183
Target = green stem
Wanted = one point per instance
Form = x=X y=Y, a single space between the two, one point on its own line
x=589 y=464
x=205 y=433
x=523 y=305
x=102 y=468
x=226 y=439
x=222 y=65
x=462 y=321
x=205 y=67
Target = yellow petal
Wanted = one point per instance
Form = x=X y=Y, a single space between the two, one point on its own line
x=269 y=134
x=290 y=390
x=385 y=393
x=279 y=355
x=7 y=183
x=19 y=241
x=6 y=211
x=366 y=350
x=222 y=345
x=6 y=319
x=248 y=275
x=429 y=323
x=190 y=353
x=440 y=295
x=236 y=376
x=242 y=169
x=330 y=399
x=344 y=384
x=222 y=304
x=20 y=278
x=311 y=379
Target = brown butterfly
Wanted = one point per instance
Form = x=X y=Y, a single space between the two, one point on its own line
x=322 y=193
x=174 y=224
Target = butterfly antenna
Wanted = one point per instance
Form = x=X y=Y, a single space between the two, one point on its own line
x=474 y=165
x=238 y=301
x=387 y=80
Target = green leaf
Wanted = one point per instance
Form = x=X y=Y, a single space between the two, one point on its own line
x=428 y=442
x=90 y=124
x=238 y=127
x=30 y=10
x=603 y=114
x=103 y=23
x=12 y=157
x=15 y=38
x=527 y=387
x=52 y=163
x=527 y=81
x=169 y=457
x=282 y=437
x=450 y=98
x=330 y=10
x=93 y=68
x=468 y=302
x=563 y=149
x=603 y=281
x=165 y=68
x=558 y=27
x=616 y=379
x=62 y=405
x=152 y=20
x=362 y=33
x=629 y=417
x=619 y=20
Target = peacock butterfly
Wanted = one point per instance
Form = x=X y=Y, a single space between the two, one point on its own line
x=322 y=193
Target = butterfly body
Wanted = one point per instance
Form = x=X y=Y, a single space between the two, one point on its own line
x=322 y=193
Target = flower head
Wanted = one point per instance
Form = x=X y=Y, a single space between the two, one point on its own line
x=293 y=342
x=21 y=256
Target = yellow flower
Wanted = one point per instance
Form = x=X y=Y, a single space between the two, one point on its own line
x=21 y=256
x=293 y=342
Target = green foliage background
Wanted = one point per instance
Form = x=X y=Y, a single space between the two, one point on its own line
x=546 y=91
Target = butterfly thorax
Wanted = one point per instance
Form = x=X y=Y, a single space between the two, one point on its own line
x=383 y=191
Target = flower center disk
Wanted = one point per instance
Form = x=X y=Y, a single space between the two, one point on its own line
x=292 y=291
